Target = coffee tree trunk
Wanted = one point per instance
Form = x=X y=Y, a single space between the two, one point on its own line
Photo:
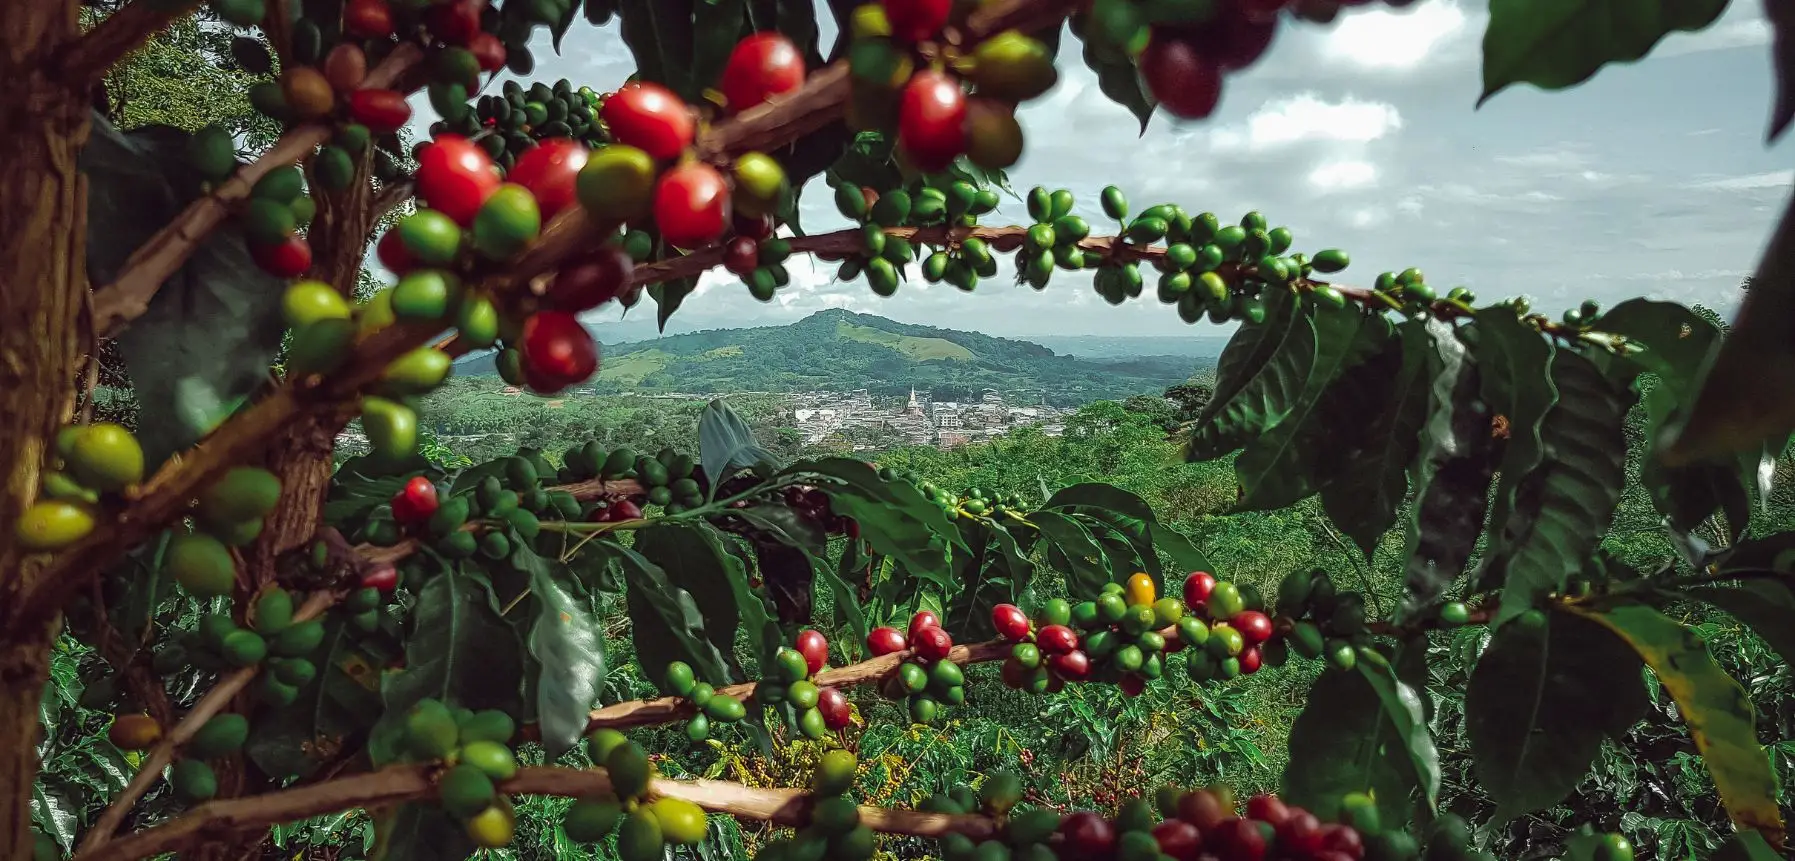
x=42 y=283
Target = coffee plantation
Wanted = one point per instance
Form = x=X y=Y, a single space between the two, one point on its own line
x=285 y=640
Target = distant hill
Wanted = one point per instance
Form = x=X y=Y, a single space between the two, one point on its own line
x=838 y=350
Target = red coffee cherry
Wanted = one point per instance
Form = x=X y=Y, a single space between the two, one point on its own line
x=834 y=706
x=289 y=259
x=932 y=644
x=549 y=170
x=1197 y=587
x=557 y=351
x=382 y=576
x=1088 y=835
x=917 y=20
x=1254 y=626
x=921 y=620
x=1267 y=807
x=393 y=254
x=763 y=65
x=651 y=118
x=691 y=205
x=814 y=648
x=1011 y=623
x=1179 y=839
x=1203 y=809
x=1186 y=81
x=455 y=177
x=592 y=282
x=1071 y=666
x=741 y=256
x=1056 y=639
x=932 y=120
x=885 y=641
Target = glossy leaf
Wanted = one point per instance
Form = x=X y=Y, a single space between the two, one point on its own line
x=665 y=622
x=210 y=332
x=716 y=26
x=977 y=582
x=1746 y=846
x=1108 y=501
x=893 y=515
x=1554 y=44
x=1406 y=717
x=1452 y=476
x=1071 y=549
x=460 y=649
x=1713 y=706
x=696 y=562
x=1342 y=743
x=660 y=37
x=1374 y=418
x=1267 y=397
x=1729 y=415
x=1765 y=603
x=1278 y=467
x=788 y=529
x=668 y=295
x=1242 y=361
x=1515 y=364
x=1563 y=507
x=420 y=832
x=1120 y=83
x=567 y=638
x=1540 y=701
x=726 y=444
x=1782 y=56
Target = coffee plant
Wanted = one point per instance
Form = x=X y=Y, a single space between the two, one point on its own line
x=284 y=641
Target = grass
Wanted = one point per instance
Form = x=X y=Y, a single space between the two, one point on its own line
x=631 y=368
x=920 y=349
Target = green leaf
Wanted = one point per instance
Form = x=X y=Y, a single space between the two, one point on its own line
x=1108 y=501
x=1268 y=394
x=420 y=832
x=1452 y=476
x=1278 y=466
x=893 y=515
x=1515 y=362
x=669 y=295
x=1563 y=507
x=1765 y=604
x=55 y=814
x=1406 y=715
x=1782 y=57
x=1343 y=743
x=1729 y=415
x=665 y=622
x=1746 y=846
x=726 y=444
x=1554 y=44
x=460 y=650
x=568 y=641
x=1688 y=495
x=1000 y=574
x=1374 y=417
x=695 y=561
x=1072 y=549
x=1712 y=705
x=1118 y=80
x=1539 y=704
x=210 y=332
x=342 y=699
x=1665 y=339
x=660 y=36
x=718 y=25
x=1246 y=354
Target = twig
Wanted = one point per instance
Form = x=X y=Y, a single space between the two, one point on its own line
x=399 y=784
x=214 y=702
x=86 y=60
x=129 y=295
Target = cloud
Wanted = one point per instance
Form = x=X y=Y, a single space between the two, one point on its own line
x=1400 y=40
x=1778 y=179
x=1342 y=175
x=1307 y=117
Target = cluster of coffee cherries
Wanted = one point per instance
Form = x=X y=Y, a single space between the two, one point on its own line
x=1022 y=835
x=646 y=827
x=1206 y=825
x=812 y=504
x=708 y=706
x=832 y=828
x=475 y=746
x=819 y=709
x=936 y=119
x=930 y=200
x=505 y=506
x=1325 y=621
x=1127 y=634
x=926 y=677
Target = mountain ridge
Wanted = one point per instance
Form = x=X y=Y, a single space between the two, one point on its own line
x=837 y=350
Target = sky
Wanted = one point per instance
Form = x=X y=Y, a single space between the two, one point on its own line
x=1651 y=179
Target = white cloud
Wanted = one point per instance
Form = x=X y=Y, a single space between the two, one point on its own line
x=1306 y=117
x=1341 y=175
x=1750 y=182
x=1394 y=40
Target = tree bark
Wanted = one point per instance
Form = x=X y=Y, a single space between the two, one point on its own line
x=42 y=284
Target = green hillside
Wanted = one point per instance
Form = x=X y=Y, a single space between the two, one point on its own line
x=839 y=350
